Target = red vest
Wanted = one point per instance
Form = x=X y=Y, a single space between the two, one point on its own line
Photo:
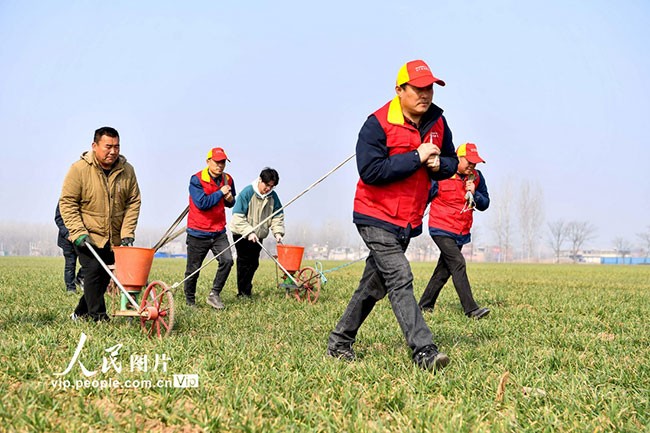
x=402 y=202
x=210 y=220
x=444 y=212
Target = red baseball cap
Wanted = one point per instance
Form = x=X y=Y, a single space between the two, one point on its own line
x=469 y=151
x=417 y=73
x=217 y=154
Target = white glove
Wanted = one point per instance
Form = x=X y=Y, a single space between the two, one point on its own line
x=252 y=237
x=278 y=238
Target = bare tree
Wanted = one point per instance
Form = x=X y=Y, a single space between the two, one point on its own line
x=301 y=233
x=578 y=232
x=333 y=234
x=475 y=235
x=645 y=237
x=502 y=222
x=24 y=239
x=623 y=247
x=531 y=217
x=557 y=235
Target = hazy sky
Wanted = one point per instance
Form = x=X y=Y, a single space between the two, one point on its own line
x=556 y=92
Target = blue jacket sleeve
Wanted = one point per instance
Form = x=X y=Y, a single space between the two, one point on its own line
x=234 y=193
x=202 y=200
x=481 y=195
x=448 y=157
x=58 y=219
x=433 y=192
x=375 y=166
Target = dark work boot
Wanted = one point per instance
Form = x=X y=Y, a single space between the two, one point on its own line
x=430 y=359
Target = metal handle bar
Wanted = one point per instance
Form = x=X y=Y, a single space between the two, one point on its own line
x=167 y=237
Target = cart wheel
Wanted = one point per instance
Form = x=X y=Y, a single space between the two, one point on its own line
x=309 y=280
x=158 y=300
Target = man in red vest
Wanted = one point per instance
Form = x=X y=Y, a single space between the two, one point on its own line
x=211 y=191
x=450 y=221
x=401 y=148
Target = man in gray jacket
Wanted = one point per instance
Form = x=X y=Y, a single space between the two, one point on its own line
x=254 y=204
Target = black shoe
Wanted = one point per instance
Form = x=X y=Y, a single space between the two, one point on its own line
x=214 y=300
x=104 y=318
x=479 y=313
x=430 y=359
x=244 y=296
x=426 y=309
x=341 y=352
x=191 y=305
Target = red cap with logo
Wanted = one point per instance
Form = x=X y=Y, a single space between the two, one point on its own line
x=218 y=154
x=417 y=73
x=469 y=151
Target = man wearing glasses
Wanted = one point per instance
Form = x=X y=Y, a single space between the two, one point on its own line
x=211 y=191
x=255 y=204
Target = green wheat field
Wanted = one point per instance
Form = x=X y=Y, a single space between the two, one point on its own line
x=565 y=349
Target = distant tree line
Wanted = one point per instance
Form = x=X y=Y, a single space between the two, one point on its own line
x=562 y=236
x=517 y=215
x=575 y=232
x=516 y=224
x=18 y=239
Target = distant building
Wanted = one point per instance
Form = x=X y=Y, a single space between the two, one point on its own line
x=174 y=249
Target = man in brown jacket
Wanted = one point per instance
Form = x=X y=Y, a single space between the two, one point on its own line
x=100 y=205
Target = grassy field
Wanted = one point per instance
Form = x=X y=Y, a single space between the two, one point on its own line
x=568 y=344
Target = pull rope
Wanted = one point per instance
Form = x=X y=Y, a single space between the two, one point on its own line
x=318 y=266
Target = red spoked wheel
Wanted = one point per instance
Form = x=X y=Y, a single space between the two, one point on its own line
x=309 y=289
x=158 y=301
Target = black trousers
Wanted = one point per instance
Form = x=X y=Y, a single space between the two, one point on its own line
x=70 y=273
x=197 y=249
x=451 y=263
x=248 y=260
x=387 y=273
x=96 y=281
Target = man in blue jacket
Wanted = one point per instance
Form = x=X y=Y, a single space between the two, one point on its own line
x=401 y=147
x=70 y=255
x=211 y=191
